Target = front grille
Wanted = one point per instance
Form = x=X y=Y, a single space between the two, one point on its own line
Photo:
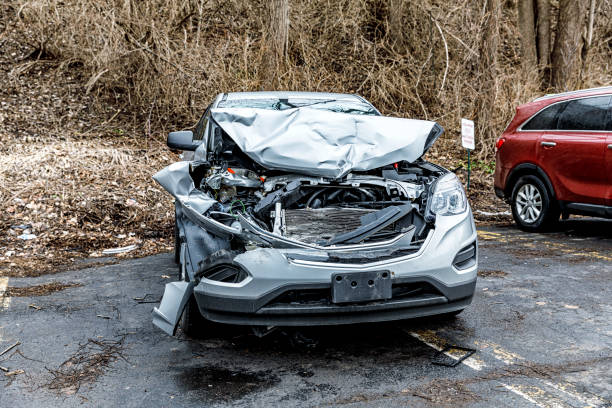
x=304 y=297
x=412 y=289
x=359 y=260
x=315 y=225
x=466 y=258
x=317 y=297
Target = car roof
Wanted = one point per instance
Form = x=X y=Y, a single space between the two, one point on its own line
x=576 y=94
x=290 y=95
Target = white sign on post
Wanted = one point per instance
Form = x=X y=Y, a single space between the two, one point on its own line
x=467 y=134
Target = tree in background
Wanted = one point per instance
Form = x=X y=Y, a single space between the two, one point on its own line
x=276 y=40
x=566 y=54
x=489 y=71
x=560 y=67
x=543 y=34
x=526 y=24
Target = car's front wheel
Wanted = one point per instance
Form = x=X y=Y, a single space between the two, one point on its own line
x=193 y=323
x=533 y=208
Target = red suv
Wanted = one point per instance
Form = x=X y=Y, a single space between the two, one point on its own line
x=555 y=157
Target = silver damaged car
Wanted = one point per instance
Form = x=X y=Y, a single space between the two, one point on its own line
x=298 y=209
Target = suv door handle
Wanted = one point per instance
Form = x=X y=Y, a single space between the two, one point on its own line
x=548 y=144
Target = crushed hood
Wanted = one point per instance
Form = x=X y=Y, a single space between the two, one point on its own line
x=322 y=143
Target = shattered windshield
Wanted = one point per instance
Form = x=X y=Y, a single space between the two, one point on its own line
x=333 y=105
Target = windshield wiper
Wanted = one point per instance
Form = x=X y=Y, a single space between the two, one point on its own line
x=291 y=105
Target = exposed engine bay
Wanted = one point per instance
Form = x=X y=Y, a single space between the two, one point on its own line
x=359 y=208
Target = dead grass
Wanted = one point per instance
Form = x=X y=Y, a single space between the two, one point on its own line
x=168 y=59
x=89 y=89
x=79 y=197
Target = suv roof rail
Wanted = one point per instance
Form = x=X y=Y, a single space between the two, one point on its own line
x=547 y=96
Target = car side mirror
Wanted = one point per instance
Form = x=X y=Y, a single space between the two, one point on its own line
x=182 y=140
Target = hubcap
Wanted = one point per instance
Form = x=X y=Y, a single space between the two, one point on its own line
x=528 y=203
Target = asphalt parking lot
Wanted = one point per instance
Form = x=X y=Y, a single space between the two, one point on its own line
x=540 y=325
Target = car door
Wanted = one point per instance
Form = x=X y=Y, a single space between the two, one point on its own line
x=609 y=166
x=608 y=157
x=574 y=153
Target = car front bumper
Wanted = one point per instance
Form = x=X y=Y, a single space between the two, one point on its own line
x=282 y=283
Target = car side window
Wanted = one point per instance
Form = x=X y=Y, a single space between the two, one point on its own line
x=200 y=129
x=547 y=119
x=585 y=114
x=609 y=122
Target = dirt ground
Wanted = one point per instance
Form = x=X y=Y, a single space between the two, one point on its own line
x=75 y=178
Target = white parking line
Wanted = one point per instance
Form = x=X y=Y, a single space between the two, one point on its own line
x=428 y=337
x=591 y=400
x=520 y=393
x=531 y=393
x=5 y=301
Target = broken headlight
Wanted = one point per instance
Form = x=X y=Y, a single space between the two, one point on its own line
x=448 y=197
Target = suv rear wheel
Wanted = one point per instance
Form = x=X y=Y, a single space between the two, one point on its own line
x=533 y=208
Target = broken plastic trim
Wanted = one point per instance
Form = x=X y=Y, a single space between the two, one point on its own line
x=209 y=224
x=168 y=315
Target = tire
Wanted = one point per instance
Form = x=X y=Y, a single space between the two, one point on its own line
x=193 y=323
x=533 y=207
x=177 y=245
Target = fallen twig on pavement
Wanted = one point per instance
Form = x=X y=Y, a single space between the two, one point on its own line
x=10 y=347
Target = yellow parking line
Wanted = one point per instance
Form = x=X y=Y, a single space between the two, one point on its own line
x=499 y=353
x=527 y=241
x=489 y=235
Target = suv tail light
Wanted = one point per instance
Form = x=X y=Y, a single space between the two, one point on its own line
x=500 y=142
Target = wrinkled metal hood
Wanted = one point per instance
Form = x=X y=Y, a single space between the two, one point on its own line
x=322 y=143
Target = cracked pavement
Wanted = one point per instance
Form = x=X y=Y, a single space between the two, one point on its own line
x=540 y=322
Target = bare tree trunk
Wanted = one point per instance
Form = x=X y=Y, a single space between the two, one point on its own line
x=589 y=38
x=488 y=74
x=275 y=42
x=567 y=49
x=591 y=23
x=526 y=24
x=278 y=27
x=543 y=31
x=396 y=29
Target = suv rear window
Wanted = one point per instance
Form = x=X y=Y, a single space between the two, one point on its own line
x=547 y=119
x=585 y=114
x=577 y=114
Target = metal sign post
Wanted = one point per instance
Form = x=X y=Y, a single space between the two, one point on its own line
x=467 y=141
